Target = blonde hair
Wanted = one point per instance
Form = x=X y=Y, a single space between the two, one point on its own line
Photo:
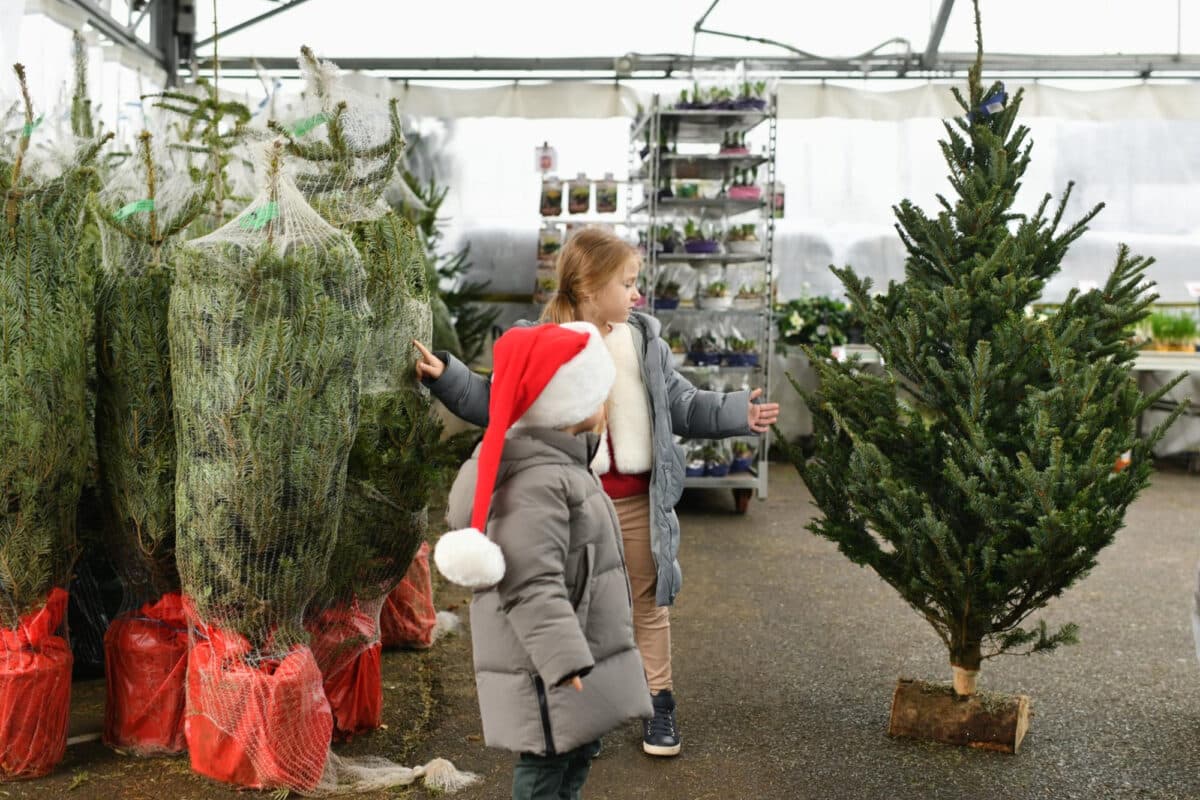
x=589 y=260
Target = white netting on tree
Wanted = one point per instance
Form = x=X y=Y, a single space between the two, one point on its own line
x=142 y=212
x=267 y=328
x=44 y=313
x=346 y=147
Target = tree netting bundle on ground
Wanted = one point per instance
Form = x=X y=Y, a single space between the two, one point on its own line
x=43 y=439
x=267 y=327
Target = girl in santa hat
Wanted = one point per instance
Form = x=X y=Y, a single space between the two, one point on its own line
x=555 y=662
x=640 y=465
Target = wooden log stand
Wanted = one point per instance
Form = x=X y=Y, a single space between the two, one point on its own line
x=985 y=720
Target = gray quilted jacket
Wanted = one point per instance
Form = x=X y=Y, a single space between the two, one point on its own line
x=563 y=606
x=676 y=407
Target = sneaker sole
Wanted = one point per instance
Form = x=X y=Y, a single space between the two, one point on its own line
x=658 y=750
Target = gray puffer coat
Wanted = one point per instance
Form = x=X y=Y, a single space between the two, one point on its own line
x=563 y=608
x=676 y=407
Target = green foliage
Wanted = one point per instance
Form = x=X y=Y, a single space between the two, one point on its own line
x=266 y=344
x=135 y=428
x=461 y=322
x=43 y=371
x=209 y=129
x=1173 y=329
x=976 y=476
x=820 y=322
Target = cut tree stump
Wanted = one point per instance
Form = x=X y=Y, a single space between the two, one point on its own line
x=985 y=720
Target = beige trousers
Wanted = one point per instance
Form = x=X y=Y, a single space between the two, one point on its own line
x=651 y=622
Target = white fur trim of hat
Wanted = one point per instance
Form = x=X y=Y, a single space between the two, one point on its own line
x=469 y=558
x=578 y=388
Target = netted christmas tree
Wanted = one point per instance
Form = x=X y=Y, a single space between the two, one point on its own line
x=348 y=146
x=267 y=329
x=143 y=210
x=44 y=312
x=976 y=475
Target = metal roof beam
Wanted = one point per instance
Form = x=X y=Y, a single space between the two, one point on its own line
x=110 y=27
x=929 y=58
x=666 y=66
x=250 y=22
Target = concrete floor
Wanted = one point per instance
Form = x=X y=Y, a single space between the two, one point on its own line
x=786 y=655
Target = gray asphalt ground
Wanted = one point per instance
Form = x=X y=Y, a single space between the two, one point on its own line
x=786 y=655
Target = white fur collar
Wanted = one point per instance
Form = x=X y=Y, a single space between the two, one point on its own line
x=628 y=410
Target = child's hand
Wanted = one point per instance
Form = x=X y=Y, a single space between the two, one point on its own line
x=761 y=416
x=578 y=684
x=429 y=365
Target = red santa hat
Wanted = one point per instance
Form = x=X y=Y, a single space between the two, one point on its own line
x=546 y=376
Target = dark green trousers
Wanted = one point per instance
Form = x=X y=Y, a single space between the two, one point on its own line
x=558 y=777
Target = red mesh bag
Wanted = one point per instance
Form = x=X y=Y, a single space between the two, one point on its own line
x=35 y=691
x=408 y=616
x=257 y=725
x=145 y=660
x=347 y=650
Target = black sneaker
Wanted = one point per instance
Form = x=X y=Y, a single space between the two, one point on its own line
x=660 y=736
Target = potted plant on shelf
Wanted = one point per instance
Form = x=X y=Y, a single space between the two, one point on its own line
x=752 y=97
x=715 y=296
x=1173 y=332
x=741 y=352
x=816 y=321
x=733 y=143
x=694 y=467
x=743 y=456
x=668 y=238
x=678 y=349
x=666 y=295
x=579 y=195
x=744 y=187
x=717 y=460
x=687 y=190
x=698 y=238
x=705 y=350
x=742 y=239
x=749 y=295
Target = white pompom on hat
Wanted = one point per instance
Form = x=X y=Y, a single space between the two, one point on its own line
x=548 y=376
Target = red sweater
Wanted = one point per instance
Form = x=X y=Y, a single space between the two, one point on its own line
x=617 y=484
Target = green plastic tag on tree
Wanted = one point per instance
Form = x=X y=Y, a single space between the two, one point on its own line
x=305 y=125
x=133 y=208
x=28 y=128
x=260 y=216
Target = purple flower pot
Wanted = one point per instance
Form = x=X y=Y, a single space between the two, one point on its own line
x=694 y=472
x=705 y=359
x=741 y=465
x=714 y=470
x=702 y=246
x=665 y=304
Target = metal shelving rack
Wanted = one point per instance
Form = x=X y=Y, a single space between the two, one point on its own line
x=650 y=160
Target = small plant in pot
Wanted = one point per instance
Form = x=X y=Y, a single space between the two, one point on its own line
x=742 y=239
x=744 y=186
x=741 y=352
x=743 y=456
x=1173 y=332
x=678 y=349
x=752 y=96
x=666 y=294
x=695 y=465
x=749 y=295
x=698 y=238
x=717 y=460
x=715 y=296
x=705 y=350
x=667 y=238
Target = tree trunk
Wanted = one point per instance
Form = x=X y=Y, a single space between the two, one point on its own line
x=965 y=658
x=933 y=712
